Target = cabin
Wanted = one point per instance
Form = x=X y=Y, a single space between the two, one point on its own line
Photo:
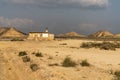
x=37 y=36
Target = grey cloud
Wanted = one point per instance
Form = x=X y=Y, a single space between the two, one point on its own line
x=16 y=22
x=88 y=27
x=63 y=3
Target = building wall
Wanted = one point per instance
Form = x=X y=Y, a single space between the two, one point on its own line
x=40 y=36
x=51 y=36
x=45 y=35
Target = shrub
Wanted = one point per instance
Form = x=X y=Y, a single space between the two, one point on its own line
x=104 y=45
x=90 y=45
x=50 y=57
x=63 y=44
x=34 y=67
x=84 y=63
x=86 y=45
x=55 y=64
x=38 y=54
x=117 y=75
x=117 y=44
x=68 y=62
x=17 y=39
x=33 y=53
x=117 y=78
x=22 y=53
x=26 y=59
x=107 y=46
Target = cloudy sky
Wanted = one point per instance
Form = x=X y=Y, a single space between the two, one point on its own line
x=61 y=16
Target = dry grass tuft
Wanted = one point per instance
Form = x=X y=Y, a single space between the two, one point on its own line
x=68 y=62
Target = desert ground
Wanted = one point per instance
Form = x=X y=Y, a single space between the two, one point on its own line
x=102 y=62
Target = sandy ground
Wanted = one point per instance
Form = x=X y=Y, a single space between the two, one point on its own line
x=13 y=68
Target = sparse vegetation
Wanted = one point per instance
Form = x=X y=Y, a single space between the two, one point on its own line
x=87 y=45
x=117 y=75
x=74 y=47
x=84 y=63
x=104 y=45
x=68 y=62
x=55 y=64
x=22 y=53
x=34 y=67
x=108 y=46
x=26 y=59
x=38 y=54
x=63 y=44
x=56 y=52
x=117 y=78
x=17 y=39
x=50 y=57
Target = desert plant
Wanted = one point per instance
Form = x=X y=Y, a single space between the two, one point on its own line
x=55 y=64
x=50 y=57
x=86 y=45
x=34 y=67
x=63 y=44
x=68 y=62
x=38 y=54
x=17 y=39
x=107 y=46
x=26 y=59
x=117 y=75
x=84 y=63
x=104 y=45
x=117 y=78
x=22 y=53
x=117 y=45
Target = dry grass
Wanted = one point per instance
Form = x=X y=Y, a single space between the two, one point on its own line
x=34 y=67
x=38 y=54
x=54 y=64
x=68 y=62
x=26 y=59
x=84 y=63
x=104 y=45
x=117 y=75
x=22 y=53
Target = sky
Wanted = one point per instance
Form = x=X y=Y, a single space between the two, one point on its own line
x=61 y=16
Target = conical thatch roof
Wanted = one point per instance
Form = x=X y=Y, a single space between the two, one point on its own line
x=10 y=33
x=102 y=33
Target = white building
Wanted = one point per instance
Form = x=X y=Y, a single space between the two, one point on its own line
x=41 y=35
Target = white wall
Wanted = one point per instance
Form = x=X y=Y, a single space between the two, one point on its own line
x=45 y=35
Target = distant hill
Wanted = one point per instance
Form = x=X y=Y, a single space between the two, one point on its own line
x=3 y=29
x=117 y=35
x=11 y=32
x=102 y=33
x=70 y=34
